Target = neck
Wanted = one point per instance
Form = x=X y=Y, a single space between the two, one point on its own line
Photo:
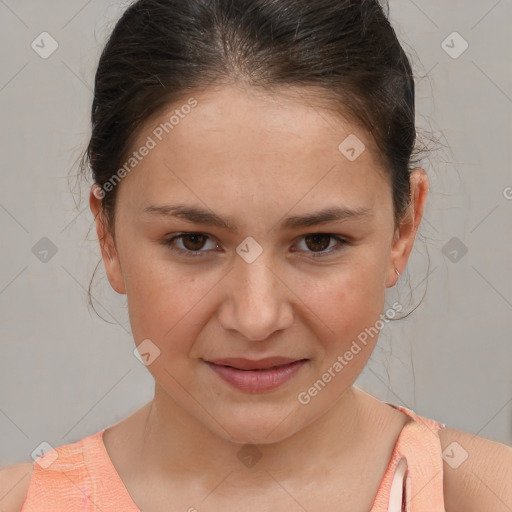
x=173 y=443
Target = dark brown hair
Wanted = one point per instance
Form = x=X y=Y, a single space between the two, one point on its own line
x=161 y=51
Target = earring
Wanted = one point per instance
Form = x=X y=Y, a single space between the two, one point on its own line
x=397 y=273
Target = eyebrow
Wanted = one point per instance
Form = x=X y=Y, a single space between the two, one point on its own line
x=206 y=217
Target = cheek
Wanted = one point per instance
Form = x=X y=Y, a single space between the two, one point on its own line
x=350 y=304
x=165 y=301
x=347 y=302
x=348 y=311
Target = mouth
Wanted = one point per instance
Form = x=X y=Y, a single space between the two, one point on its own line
x=256 y=375
x=239 y=363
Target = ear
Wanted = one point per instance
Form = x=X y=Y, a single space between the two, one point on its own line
x=406 y=233
x=107 y=242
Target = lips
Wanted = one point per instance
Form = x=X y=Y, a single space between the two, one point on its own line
x=256 y=376
x=250 y=364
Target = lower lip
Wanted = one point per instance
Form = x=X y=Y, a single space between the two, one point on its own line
x=253 y=381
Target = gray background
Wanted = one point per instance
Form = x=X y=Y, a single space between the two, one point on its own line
x=65 y=373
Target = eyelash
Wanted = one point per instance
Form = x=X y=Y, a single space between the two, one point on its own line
x=169 y=243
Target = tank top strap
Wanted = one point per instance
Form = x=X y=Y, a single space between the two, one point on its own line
x=413 y=481
x=59 y=480
x=77 y=476
x=109 y=491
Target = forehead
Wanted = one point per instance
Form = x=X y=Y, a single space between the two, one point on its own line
x=254 y=141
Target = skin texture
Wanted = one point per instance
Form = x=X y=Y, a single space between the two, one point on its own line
x=254 y=159
x=483 y=481
x=258 y=159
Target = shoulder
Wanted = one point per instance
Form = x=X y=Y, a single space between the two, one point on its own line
x=477 y=473
x=14 y=483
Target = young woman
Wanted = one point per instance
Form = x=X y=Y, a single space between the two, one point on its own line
x=255 y=194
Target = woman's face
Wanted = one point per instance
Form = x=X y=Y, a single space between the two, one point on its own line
x=249 y=173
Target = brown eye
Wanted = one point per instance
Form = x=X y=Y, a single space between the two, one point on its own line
x=189 y=244
x=319 y=245
x=195 y=241
x=317 y=242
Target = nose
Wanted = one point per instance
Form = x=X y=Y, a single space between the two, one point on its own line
x=257 y=302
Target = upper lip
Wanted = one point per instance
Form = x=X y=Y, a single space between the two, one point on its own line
x=253 y=364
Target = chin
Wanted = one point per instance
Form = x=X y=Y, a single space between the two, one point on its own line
x=257 y=427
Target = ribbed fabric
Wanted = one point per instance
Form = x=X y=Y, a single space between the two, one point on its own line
x=420 y=445
x=83 y=478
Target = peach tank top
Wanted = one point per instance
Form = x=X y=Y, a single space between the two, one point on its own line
x=83 y=479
